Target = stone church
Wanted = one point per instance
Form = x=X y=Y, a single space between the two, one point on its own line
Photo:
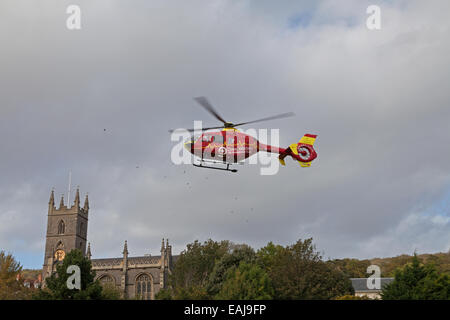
x=135 y=277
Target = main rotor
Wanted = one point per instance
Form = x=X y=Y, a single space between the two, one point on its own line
x=207 y=105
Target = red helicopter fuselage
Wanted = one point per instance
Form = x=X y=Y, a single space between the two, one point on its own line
x=231 y=146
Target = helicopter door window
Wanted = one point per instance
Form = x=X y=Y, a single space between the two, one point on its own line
x=218 y=139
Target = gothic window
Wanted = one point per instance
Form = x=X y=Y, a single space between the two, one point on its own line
x=81 y=228
x=61 y=227
x=143 y=287
x=107 y=280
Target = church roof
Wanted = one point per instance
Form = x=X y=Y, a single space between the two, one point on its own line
x=106 y=262
x=144 y=260
x=109 y=262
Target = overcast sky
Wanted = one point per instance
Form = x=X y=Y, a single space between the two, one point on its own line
x=379 y=101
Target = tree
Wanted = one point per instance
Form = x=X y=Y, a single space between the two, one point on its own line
x=248 y=281
x=353 y=268
x=416 y=281
x=435 y=287
x=351 y=297
x=298 y=272
x=57 y=288
x=238 y=254
x=268 y=255
x=193 y=268
x=11 y=288
x=111 y=292
x=164 y=294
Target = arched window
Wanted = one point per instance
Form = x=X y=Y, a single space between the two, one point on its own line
x=107 y=280
x=144 y=287
x=81 y=228
x=61 y=227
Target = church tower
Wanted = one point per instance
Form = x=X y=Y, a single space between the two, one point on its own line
x=66 y=230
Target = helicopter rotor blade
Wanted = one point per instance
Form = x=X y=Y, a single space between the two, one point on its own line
x=278 y=116
x=192 y=130
x=205 y=104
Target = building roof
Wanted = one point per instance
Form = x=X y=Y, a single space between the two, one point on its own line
x=360 y=284
x=109 y=262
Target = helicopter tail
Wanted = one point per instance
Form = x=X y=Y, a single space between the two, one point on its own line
x=302 y=151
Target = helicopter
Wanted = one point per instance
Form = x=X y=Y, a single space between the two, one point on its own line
x=229 y=146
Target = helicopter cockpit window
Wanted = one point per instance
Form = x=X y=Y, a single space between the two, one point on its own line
x=207 y=138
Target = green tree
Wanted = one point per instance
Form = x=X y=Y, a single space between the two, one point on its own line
x=57 y=288
x=248 y=281
x=193 y=268
x=298 y=272
x=164 y=294
x=416 y=281
x=435 y=287
x=111 y=292
x=10 y=287
x=239 y=253
x=267 y=256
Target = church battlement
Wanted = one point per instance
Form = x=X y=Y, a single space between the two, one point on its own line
x=64 y=209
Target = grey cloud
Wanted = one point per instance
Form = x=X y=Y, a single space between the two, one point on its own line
x=377 y=100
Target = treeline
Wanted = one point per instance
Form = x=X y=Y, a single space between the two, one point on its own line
x=12 y=287
x=224 y=270
x=355 y=268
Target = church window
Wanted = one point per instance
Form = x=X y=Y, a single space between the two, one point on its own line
x=61 y=227
x=143 y=287
x=106 y=280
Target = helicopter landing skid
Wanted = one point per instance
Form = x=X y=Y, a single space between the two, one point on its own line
x=216 y=168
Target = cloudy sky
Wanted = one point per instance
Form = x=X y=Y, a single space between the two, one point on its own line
x=379 y=101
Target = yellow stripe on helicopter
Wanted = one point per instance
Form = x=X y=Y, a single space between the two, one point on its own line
x=307 y=140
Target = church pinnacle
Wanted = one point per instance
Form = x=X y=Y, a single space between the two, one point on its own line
x=88 y=253
x=51 y=202
x=61 y=203
x=77 y=197
x=125 y=248
x=86 y=203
